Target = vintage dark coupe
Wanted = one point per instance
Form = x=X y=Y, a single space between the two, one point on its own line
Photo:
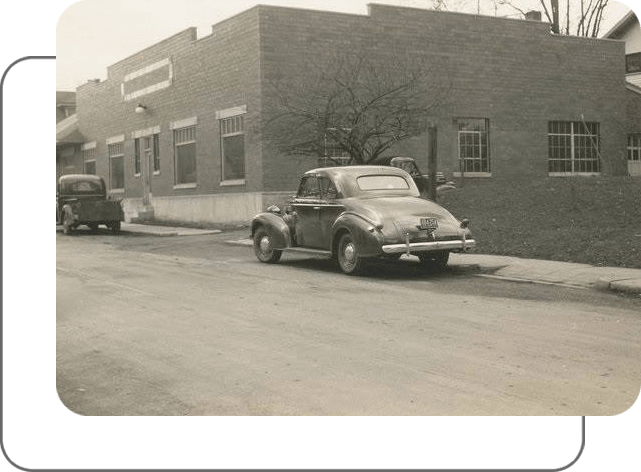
x=355 y=213
x=81 y=199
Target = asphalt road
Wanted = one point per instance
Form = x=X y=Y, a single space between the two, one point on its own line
x=194 y=326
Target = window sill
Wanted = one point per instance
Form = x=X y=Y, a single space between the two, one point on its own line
x=229 y=183
x=137 y=175
x=180 y=186
x=156 y=172
x=117 y=190
x=473 y=174
x=573 y=174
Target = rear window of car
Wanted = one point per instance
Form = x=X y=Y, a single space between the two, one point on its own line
x=382 y=182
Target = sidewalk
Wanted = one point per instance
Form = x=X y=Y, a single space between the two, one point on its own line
x=156 y=230
x=539 y=271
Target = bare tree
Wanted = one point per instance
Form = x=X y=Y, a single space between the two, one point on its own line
x=359 y=103
x=587 y=15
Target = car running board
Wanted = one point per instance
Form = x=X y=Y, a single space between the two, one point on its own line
x=305 y=250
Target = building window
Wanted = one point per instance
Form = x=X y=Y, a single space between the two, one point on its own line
x=116 y=166
x=89 y=160
x=573 y=148
x=185 y=155
x=634 y=147
x=633 y=63
x=473 y=145
x=232 y=147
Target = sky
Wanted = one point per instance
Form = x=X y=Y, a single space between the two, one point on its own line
x=93 y=34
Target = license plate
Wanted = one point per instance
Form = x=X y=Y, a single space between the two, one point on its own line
x=430 y=224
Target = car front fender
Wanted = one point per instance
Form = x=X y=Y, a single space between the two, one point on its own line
x=368 y=238
x=276 y=227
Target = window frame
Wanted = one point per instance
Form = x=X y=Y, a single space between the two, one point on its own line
x=586 y=142
x=483 y=145
x=634 y=146
x=119 y=154
x=176 y=146
x=89 y=157
x=229 y=127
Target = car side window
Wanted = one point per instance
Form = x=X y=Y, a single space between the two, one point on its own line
x=328 y=190
x=309 y=188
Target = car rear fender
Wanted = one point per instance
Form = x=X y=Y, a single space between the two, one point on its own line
x=368 y=238
x=276 y=227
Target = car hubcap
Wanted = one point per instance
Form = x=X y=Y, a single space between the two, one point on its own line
x=264 y=244
x=349 y=252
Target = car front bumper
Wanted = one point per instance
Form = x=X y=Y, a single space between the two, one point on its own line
x=455 y=245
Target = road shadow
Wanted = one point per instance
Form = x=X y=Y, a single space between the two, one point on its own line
x=84 y=231
x=382 y=269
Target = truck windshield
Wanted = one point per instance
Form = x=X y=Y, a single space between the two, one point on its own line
x=84 y=187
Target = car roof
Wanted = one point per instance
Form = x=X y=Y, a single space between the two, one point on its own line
x=344 y=177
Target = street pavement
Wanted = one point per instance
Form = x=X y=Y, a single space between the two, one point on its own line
x=569 y=274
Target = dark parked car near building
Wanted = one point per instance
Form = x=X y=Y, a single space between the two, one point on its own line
x=358 y=212
x=81 y=199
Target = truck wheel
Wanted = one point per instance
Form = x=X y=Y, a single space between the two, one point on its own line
x=93 y=226
x=115 y=227
x=67 y=222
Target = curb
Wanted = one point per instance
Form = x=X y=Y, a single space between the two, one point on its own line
x=630 y=286
x=241 y=242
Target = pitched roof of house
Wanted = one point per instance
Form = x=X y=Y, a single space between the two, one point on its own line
x=67 y=131
x=619 y=28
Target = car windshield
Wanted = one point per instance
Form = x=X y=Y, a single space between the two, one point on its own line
x=382 y=182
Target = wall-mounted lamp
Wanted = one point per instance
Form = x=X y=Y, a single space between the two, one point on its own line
x=140 y=109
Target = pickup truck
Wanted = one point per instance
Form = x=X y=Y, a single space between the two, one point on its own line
x=81 y=199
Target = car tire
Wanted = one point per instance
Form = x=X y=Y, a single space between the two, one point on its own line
x=347 y=254
x=67 y=222
x=93 y=227
x=435 y=260
x=263 y=247
x=115 y=227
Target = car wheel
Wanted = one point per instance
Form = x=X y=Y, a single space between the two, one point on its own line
x=67 y=222
x=115 y=227
x=93 y=226
x=348 y=259
x=263 y=247
x=436 y=260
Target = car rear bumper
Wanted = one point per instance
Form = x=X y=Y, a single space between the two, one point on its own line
x=456 y=245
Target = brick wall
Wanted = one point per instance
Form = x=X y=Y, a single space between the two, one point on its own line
x=512 y=72
x=217 y=72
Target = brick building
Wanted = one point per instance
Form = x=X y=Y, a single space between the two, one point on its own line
x=175 y=128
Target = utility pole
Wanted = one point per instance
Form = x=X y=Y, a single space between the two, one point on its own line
x=431 y=162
